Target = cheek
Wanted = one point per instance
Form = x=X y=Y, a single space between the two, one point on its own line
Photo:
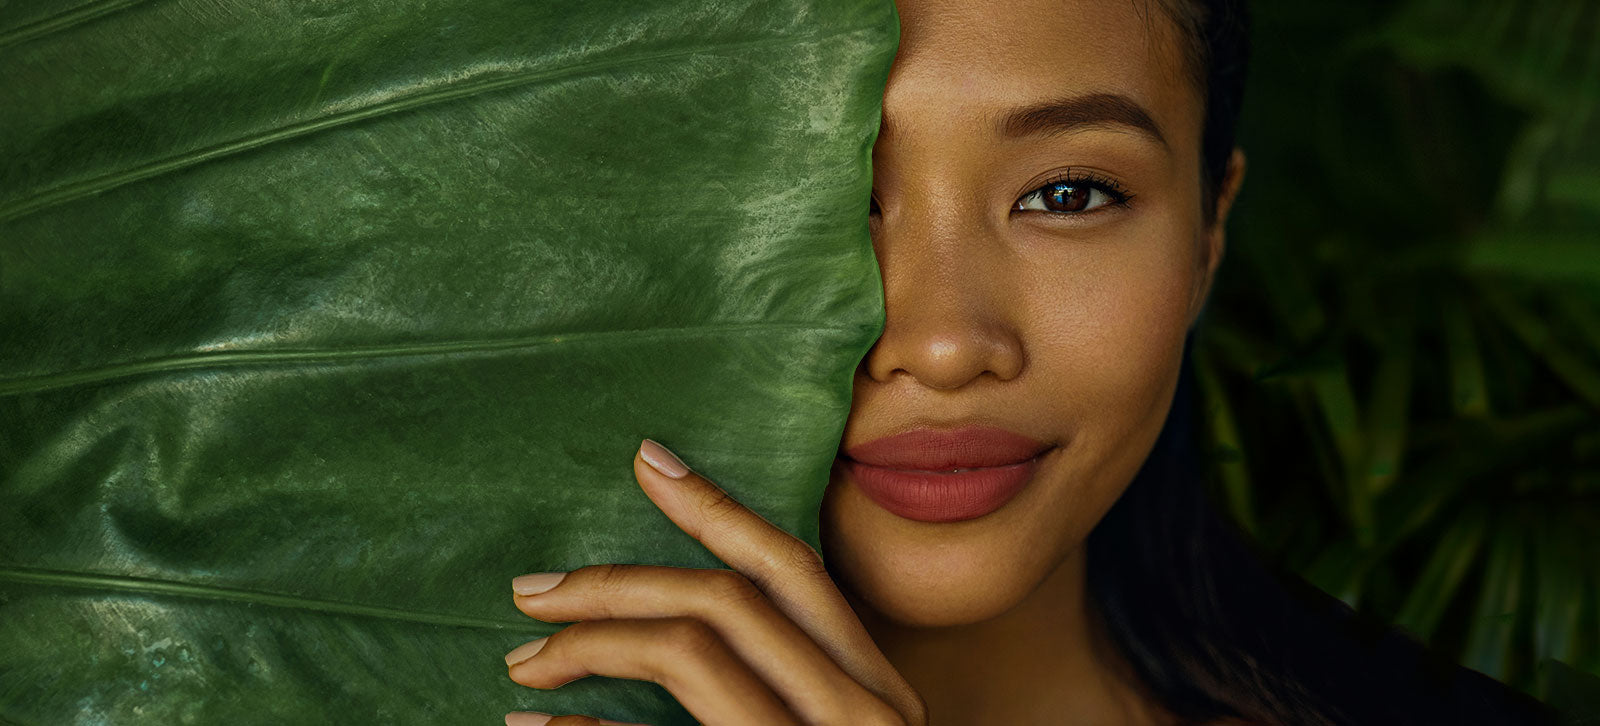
x=1102 y=323
x=1107 y=325
x=1108 y=317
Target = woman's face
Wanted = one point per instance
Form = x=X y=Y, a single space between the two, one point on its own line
x=1063 y=321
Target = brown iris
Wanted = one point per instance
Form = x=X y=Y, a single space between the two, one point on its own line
x=1066 y=197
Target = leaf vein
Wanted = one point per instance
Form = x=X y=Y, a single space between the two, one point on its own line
x=152 y=586
x=450 y=91
x=258 y=357
x=62 y=20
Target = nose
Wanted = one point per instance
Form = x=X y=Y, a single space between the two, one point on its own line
x=949 y=305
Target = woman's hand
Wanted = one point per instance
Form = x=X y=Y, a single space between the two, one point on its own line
x=770 y=642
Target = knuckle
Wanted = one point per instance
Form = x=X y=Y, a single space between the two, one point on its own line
x=599 y=587
x=689 y=639
x=786 y=562
x=721 y=508
x=730 y=588
x=800 y=558
x=603 y=579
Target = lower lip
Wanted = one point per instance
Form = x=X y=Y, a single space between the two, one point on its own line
x=928 y=496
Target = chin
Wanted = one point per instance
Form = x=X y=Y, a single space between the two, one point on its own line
x=917 y=574
x=917 y=601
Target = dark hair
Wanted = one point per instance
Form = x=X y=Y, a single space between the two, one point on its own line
x=1212 y=630
x=1216 y=45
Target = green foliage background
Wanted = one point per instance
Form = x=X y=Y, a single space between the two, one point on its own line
x=1401 y=361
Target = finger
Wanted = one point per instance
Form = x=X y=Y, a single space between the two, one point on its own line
x=780 y=564
x=734 y=533
x=779 y=651
x=573 y=721
x=682 y=655
x=534 y=718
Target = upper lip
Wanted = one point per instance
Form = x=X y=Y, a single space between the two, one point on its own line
x=943 y=449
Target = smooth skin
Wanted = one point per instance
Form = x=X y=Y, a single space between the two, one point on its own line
x=1065 y=323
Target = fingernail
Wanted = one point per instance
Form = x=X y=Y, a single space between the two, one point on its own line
x=525 y=651
x=662 y=460
x=527 y=718
x=536 y=583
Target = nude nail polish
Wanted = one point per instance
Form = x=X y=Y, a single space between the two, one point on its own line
x=525 y=651
x=662 y=460
x=527 y=718
x=536 y=583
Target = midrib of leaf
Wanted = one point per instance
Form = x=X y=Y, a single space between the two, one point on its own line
x=48 y=381
x=62 y=20
x=451 y=91
x=127 y=584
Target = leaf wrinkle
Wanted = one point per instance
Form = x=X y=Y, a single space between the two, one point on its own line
x=152 y=586
x=450 y=89
x=226 y=359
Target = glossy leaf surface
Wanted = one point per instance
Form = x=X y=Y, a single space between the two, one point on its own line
x=319 y=322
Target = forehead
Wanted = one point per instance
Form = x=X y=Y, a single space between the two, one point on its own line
x=964 y=60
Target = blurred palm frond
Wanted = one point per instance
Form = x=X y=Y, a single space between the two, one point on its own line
x=1401 y=361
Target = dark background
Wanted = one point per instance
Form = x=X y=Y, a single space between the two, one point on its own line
x=1401 y=360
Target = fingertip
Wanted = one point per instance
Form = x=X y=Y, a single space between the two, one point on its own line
x=662 y=460
x=527 y=718
x=525 y=651
x=665 y=491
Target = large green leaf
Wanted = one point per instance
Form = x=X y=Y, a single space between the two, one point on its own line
x=319 y=322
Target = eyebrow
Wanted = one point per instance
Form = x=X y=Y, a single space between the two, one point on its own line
x=1068 y=114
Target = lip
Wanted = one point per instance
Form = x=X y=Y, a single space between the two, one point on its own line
x=942 y=450
x=932 y=475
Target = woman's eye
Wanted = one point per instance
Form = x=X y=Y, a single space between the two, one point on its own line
x=1067 y=197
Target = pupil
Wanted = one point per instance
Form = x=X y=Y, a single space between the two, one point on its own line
x=1066 y=198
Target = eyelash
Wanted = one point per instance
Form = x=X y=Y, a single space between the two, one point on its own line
x=1120 y=196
